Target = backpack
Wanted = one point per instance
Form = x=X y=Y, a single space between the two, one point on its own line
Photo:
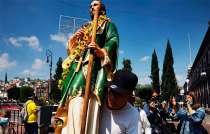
x=24 y=113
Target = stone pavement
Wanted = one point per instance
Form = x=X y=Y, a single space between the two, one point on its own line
x=206 y=122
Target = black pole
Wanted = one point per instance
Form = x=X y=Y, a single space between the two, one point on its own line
x=49 y=57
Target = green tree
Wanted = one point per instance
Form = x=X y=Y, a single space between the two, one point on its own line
x=169 y=84
x=59 y=69
x=144 y=91
x=25 y=92
x=155 y=73
x=127 y=65
x=5 y=79
x=55 y=91
x=13 y=93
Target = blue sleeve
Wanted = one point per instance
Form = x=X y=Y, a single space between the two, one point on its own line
x=198 y=116
x=181 y=114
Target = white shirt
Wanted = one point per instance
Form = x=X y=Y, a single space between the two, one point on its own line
x=145 y=123
x=123 y=121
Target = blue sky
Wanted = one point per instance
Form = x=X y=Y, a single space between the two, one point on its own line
x=29 y=27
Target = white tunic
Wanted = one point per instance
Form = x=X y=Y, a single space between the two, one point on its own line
x=74 y=116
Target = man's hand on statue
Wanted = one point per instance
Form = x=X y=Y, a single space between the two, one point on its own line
x=97 y=50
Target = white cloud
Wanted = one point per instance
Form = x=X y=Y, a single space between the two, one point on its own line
x=180 y=79
x=35 y=74
x=14 y=42
x=5 y=63
x=144 y=59
x=31 y=41
x=121 y=52
x=26 y=72
x=38 y=64
x=58 y=37
x=144 y=79
x=37 y=70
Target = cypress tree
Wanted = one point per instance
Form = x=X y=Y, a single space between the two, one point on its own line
x=59 y=69
x=56 y=93
x=5 y=80
x=155 y=73
x=169 y=83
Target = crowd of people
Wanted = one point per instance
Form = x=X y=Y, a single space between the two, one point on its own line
x=187 y=113
x=119 y=115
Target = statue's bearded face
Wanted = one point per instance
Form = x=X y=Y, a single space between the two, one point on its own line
x=95 y=6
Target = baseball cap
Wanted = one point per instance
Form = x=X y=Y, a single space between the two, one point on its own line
x=123 y=82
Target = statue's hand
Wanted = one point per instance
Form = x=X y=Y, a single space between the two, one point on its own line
x=99 y=52
x=79 y=33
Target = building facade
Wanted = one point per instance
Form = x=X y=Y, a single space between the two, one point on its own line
x=198 y=79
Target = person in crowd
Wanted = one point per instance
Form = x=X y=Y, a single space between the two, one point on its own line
x=31 y=125
x=146 y=127
x=146 y=107
x=164 y=111
x=191 y=116
x=173 y=108
x=4 y=120
x=167 y=127
x=118 y=115
x=155 y=116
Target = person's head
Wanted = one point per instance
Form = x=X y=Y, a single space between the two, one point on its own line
x=97 y=5
x=155 y=96
x=173 y=101
x=120 y=88
x=190 y=98
x=164 y=104
x=30 y=96
x=153 y=105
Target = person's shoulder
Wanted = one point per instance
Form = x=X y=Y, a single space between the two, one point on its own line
x=200 y=110
x=31 y=103
x=142 y=112
x=133 y=109
x=111 y=24
x=28 y=101
x=112 y=28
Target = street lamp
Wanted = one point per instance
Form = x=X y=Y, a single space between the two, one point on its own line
x=181 y=92
x=187 y=81
x=49 y=60
x=203 y=74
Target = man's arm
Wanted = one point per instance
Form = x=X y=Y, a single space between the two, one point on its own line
x=198 y=115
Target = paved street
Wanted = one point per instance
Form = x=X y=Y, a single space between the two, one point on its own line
x=206 y=123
